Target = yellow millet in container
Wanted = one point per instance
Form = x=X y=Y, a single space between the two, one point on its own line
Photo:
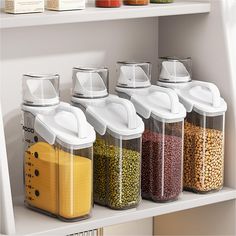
x=58 y=182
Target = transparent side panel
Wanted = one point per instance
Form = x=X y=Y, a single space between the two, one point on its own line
x=57 y=181
x=40 y=169
x=203 y=153
x=162 y=152
x=74 y=182
x=100 y=169
x=117 y=166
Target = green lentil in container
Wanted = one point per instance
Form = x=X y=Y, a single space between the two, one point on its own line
x=116 y=176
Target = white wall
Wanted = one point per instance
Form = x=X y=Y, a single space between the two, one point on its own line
x=207 y=220
x=203 y=38
x=57 y=49
x=135 y=228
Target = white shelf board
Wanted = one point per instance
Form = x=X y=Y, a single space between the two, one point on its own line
x=90 y=14
x=29 y=222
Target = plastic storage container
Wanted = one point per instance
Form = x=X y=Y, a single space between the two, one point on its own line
x=162 y=145
x=58 y=150
x=162 y=1
x=117 y=151
x=204 y=126
x=136 y=2
x=108 y=3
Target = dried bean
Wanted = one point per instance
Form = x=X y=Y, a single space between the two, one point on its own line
x=116 y=176
x=161 y=166
x=203 y=158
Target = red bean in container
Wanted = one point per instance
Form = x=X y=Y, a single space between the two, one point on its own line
x=162 y=151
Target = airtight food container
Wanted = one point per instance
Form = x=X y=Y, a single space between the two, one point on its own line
x=203 y=127
x=58 y=152
x=162 y=141
x=117 y=150
x=108 y=3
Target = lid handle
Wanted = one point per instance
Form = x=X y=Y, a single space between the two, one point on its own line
x=212 y=88
x=174 y=100
x=131 y=112
x=80 y=118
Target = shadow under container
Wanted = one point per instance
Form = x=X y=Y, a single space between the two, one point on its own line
x=117 y=171
x=162 y=160
x=204 y=152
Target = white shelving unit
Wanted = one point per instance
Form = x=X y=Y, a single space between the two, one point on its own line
x=92 y=14
x=57 y=41
x=32 y=223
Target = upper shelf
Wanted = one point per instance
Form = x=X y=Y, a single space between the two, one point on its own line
x=180 y=7
x=32 y=223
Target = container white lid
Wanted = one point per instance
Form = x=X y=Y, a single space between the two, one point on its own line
x=66 y=125
x=160 y=103
x=202 y=97
x=114 y=115
x=40 y=89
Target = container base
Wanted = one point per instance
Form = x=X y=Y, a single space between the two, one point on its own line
x=202 y=192
x=75 y=219
x=116 y=208
x=153 y=199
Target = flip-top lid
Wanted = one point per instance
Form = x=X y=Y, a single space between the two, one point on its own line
x=134 y=74
x=161 y=103
x=202 y=97
x=66 y=125
x=114 y=115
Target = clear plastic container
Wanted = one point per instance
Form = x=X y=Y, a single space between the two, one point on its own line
x=58 y=151
x=133 y=74
x=90 y=82
x=117 y=167
x=162 y=160
x=136 y=2
x=162 y=1
x=117 y=150
x=203 y=152
x=203 y=128
x=108 y=3
x=162 y=141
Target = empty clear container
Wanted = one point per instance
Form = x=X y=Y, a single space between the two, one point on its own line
x=117 y=150
x=58 y=151
x=203 y=127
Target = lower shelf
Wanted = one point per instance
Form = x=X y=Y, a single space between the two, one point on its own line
x=32 y=223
